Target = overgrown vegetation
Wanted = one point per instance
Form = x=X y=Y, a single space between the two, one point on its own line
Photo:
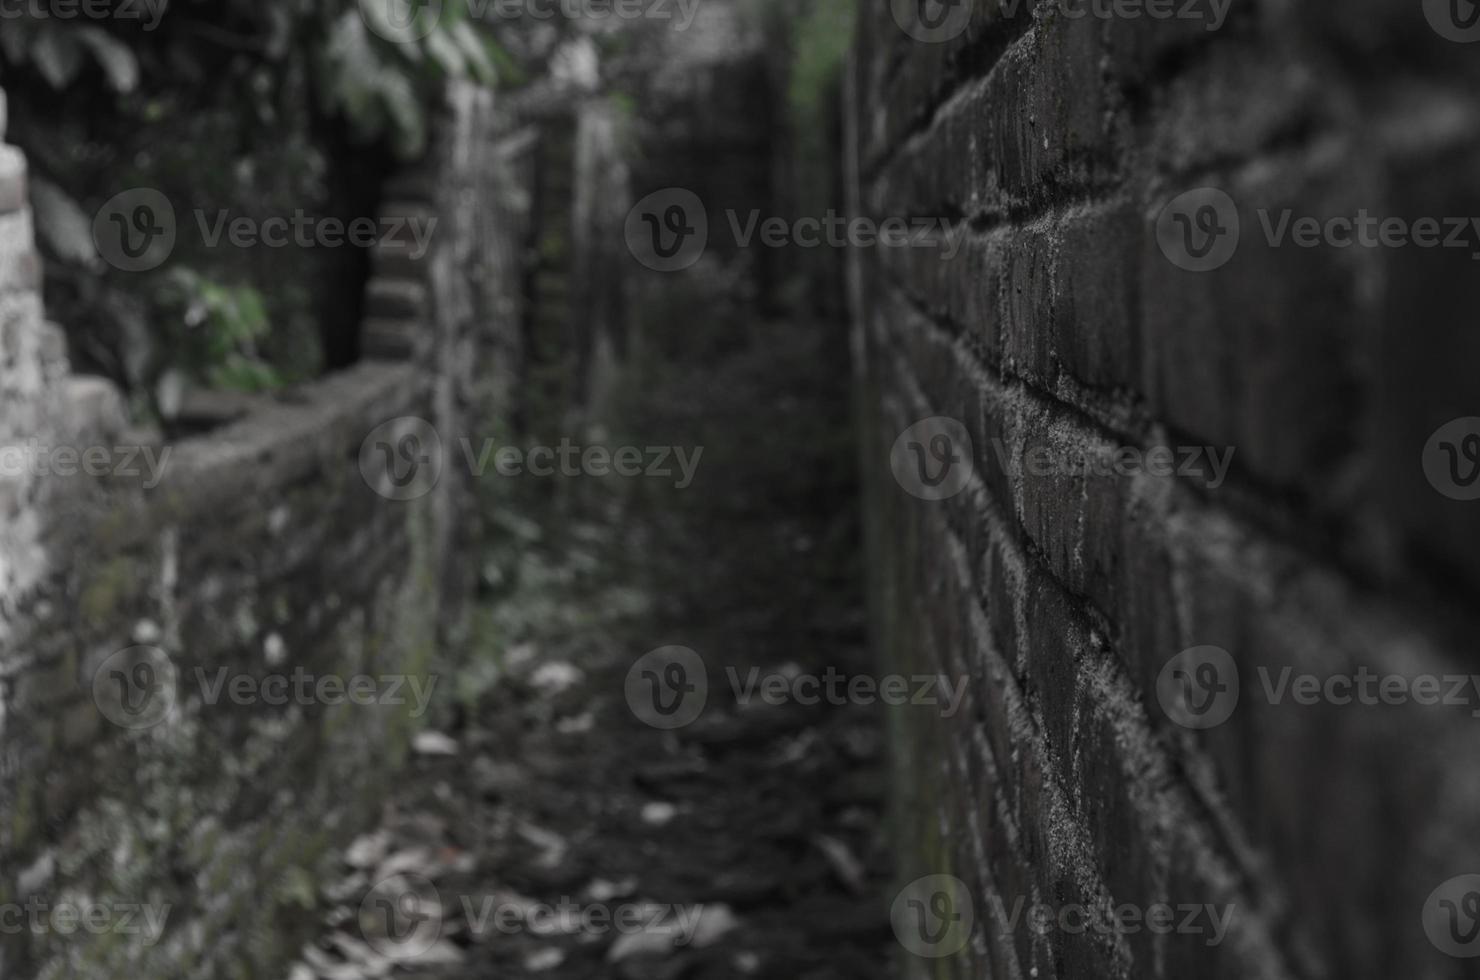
x=255 y=109
x=260 y=110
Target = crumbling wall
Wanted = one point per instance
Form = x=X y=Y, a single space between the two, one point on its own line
x=151 y=614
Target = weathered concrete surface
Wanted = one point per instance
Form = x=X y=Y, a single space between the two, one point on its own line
x=261 y=549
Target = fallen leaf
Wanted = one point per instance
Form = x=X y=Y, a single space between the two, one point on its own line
x=434 y=743
x=658 y=814
x=847 y=867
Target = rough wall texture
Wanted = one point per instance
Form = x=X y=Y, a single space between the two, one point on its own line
x=262 y=550
x=1052 y=145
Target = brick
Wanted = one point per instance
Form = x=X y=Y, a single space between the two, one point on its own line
x=1427 y=350
x=1054 y=129
x=392 y=340
x=908 y=79
x=399 y=254
x=1233 y=101
x=1277 y=334
x=1144 y=52
x=913 y=179
x=396 y=299
x=1096 y=297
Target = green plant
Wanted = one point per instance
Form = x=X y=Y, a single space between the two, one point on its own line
x=61 y=49
x=257 y=109
x=379 y=85
x=224 y=327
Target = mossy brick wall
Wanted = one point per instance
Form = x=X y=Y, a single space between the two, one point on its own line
x=262 y=550
x=1052 y=145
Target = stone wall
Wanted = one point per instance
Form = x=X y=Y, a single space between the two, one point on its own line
x=1066 y=329
x=274 y=542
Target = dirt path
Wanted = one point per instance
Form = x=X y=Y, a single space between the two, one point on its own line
x=754 y=831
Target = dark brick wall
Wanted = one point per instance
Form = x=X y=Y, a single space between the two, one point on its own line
x=1052 y=146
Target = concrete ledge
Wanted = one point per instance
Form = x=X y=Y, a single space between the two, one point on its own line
x=12 y=179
